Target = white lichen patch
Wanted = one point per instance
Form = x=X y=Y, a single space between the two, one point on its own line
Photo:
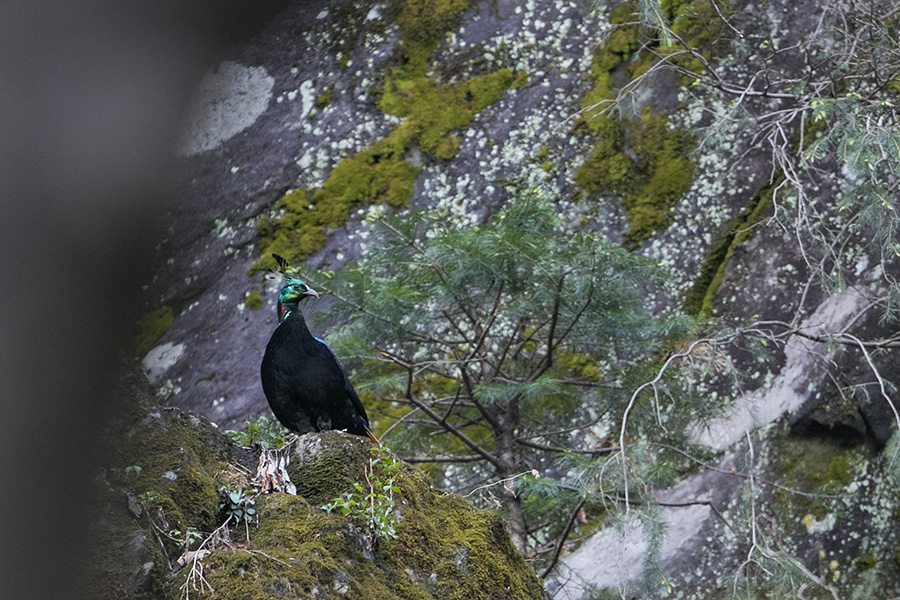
x=816 y=526
x=160 y=359
x=168 y=388
x=307 y=98
x=627 y=544
x=226 y=102
x=221 y=229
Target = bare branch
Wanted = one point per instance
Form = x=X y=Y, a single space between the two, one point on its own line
x=650 y=384
x=562 y=538
x=442 y=459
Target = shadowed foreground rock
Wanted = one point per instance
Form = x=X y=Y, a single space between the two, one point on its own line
x=164 y=470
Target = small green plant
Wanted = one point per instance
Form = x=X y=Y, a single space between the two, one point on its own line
x=134 y=470
x=237 y=503
x=373 y=503
x=265 y=433
x=148 y=499
x=185 y=539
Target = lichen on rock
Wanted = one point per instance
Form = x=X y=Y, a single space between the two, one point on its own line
x=383 y=172
x=641 y=159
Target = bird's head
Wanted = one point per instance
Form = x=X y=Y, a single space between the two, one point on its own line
x=295 y=290
x=292 y=292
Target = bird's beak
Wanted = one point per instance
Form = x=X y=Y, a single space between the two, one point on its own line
x=311 y=292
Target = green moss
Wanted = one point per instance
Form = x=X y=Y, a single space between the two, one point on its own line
x=809 y=464
x=312 y=534
x=181 y=461
x=893 y=86
x=698 y=23
x=604 y=171
x=469 y=550
x=178 y=471
x=814 y=467
x=422 y=23
x=150 y=328
x=444 y=548
x=621 y=42
x=425 y=21
x=322 y=476
x=663 y=175
x=446 y=148
x=866 y=561
x=641 y=160
x=700 y=297
x=253 y=300
x=380 y=174
x=580 y=365
x=433 y=111
x=838 y=471
x=652 y=182
x=520 y=81
x=324 y=98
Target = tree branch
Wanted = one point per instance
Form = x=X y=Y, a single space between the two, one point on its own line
x=442 y=459
x=562 y=539
x=456 y=432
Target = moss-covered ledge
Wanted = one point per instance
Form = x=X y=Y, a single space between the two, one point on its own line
x=444 y=548
x=159 y=495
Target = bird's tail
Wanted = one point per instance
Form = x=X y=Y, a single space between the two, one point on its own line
x=372 y=437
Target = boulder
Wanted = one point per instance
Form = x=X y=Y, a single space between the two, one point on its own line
x=176 y=516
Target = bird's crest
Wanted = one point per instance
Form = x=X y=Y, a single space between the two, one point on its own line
x=283 y=269
x=293 y=289
x=284 y=266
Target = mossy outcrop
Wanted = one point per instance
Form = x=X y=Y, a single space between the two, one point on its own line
x=150 y=327
x=158 y=490
x=159 y=496
x=443 y=547
x=641 y=158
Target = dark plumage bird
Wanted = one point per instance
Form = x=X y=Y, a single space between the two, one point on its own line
x=301 y=377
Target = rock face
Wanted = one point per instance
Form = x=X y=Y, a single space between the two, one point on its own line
x=160 y=497
x=823 y=510
x=290 y=124
x=319 y=69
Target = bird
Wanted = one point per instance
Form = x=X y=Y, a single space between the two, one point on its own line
x=304 y=382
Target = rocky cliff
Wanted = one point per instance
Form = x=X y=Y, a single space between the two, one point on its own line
x=340 y=107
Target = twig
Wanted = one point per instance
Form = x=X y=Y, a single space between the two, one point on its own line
x=562 y=539
x=195 y=575
x=499 y=481
x=652 y=383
